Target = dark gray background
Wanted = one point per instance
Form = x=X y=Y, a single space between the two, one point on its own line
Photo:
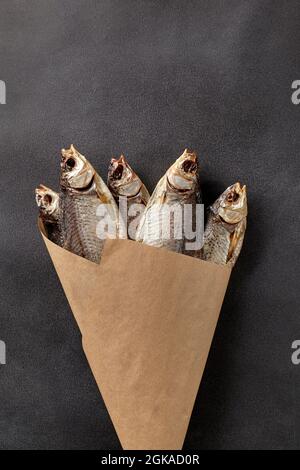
x=149 y=78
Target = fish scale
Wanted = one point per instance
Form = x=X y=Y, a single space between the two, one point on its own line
x=161 y=219
x=216 y=242
x=54 y=233
x=154 y=227
x=79 y=225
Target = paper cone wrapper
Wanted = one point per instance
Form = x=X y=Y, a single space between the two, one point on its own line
x=147 y=318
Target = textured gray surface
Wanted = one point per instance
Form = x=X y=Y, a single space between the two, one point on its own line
x=149 y=78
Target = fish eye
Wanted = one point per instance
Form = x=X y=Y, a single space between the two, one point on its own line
x=70 y=163
x=232 y=196
x=188 y=166
x=117 y=174
x=47 y=199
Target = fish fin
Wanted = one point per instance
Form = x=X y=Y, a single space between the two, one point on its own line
x=145 y=196
x=236 y=242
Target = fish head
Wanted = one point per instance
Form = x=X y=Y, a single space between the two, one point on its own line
x=122 y=180
x=76 y=172
x=47 y=201
x=183 y=174
x=232 y=204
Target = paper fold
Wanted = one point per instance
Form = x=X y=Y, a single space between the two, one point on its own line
x=147 y=318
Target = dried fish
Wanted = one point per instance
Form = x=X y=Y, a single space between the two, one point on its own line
x=50 y=213
x=226 y=225
x=162 y=222
x=84 y=198
x=127 y=187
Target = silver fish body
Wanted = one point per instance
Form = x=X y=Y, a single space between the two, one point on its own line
x=226 y=226
x=162 y=222
x=128 y=188
x=83 y=193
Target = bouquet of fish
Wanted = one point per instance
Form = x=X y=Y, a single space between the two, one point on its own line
x=146 y=342
x=86 y=211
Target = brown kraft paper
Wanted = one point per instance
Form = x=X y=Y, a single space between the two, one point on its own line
x=147 y=318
